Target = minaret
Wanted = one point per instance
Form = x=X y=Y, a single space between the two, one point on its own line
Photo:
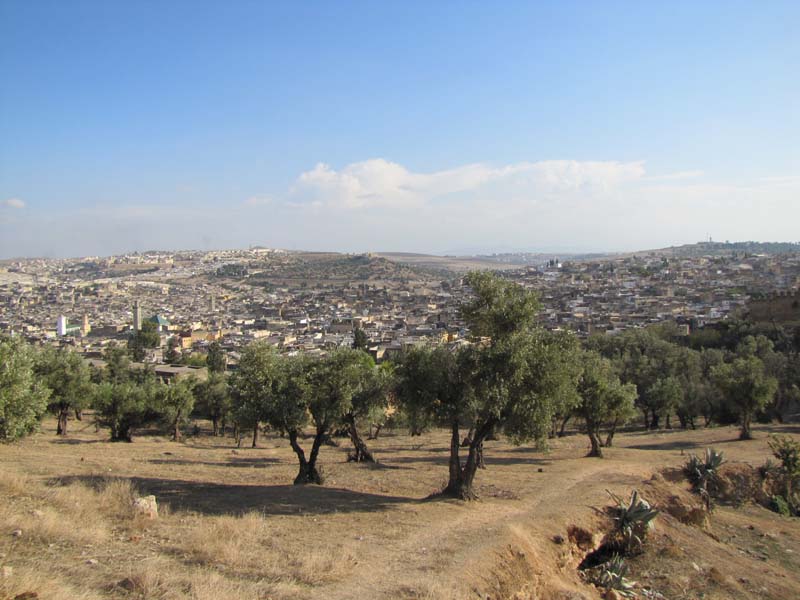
x=61 y=325
x=137 y=316
x=85 y=328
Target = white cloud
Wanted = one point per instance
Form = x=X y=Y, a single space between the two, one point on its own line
x=381 y=183
x=13 y=203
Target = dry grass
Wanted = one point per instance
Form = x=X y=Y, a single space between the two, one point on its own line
x=231 y=524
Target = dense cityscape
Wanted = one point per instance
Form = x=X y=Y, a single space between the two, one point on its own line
x=312 y=302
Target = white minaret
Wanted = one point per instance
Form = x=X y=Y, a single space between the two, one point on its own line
x=61 y=325
x=137 y=316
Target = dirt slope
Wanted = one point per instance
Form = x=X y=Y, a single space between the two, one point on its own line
x=236 y=525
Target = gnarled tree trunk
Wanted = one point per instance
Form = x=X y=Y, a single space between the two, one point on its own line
x=360 y=451
x=461 y=478
x=593 y=430
x=63 y=415
x=255 y=435
x=308 y=468
x=611 y=432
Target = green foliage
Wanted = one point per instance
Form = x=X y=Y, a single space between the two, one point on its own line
x=172 y=355
x=256 y=386
x=67 y=377
x=787 y=451
x=499 y=308
x=334 y=382
x=139 y=341
x=122 y=407
x=633 y=519
x=746 y=386
x=118 y=365
x=216 y=359
x=778 y=504
x=213 y=399
x=175 y=403
x=23 y=398
x=360 y=340
x=194 y=359
x=603 y=397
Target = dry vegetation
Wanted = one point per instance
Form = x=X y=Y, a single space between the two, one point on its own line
x=232 y=525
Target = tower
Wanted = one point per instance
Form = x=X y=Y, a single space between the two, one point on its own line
x=85 y=327
x=137 y=316
x=213 y=302
x=61 y=325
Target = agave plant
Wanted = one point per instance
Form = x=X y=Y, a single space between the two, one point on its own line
x=634 y=519
x=612 y=576
x=704 y=473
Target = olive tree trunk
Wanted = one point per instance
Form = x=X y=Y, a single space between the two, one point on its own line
x=360 y=451
x=308 y=472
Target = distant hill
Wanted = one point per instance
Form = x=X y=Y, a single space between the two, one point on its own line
x=729 y=248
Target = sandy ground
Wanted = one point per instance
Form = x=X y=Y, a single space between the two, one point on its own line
x=232 y=523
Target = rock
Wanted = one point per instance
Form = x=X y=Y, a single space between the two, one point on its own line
x=558 y=539
x=37 y=513
x=147 y=506
x=612 y=595
x=17 y=533
x=92 y=561
x=26 y=596
x=7 y=571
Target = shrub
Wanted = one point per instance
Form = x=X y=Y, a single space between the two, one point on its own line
x=779 y=505
x=787 y=451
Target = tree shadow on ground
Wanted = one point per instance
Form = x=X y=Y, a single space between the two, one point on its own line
x=678 y=445
x=226 y=499
x=489 y=459
x=75 y=442
x=255 y=462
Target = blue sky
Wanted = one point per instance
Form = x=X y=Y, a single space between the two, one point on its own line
x=432 y=127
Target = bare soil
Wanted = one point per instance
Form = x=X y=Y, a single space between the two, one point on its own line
x=232 y=524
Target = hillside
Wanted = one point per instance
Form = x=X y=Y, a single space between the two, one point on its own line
x=232 y=525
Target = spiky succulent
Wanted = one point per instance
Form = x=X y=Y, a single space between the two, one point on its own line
x=612 y=576
x=704 y=472
x=634 y=519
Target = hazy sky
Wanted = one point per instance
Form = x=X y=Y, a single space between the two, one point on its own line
x=429 y=127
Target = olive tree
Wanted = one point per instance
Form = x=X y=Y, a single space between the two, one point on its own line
x=122 y=407
x=23 y=399
x=213 y=401
x=368 y=404
x=254 y=386
x=510 y=378
x=746 y=388
x=67 y=377
x=175 y=404
x=603 y=398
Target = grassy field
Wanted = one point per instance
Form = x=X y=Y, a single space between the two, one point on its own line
x=231 y=525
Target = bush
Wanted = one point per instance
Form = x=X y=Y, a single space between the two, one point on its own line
x=779 y=505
